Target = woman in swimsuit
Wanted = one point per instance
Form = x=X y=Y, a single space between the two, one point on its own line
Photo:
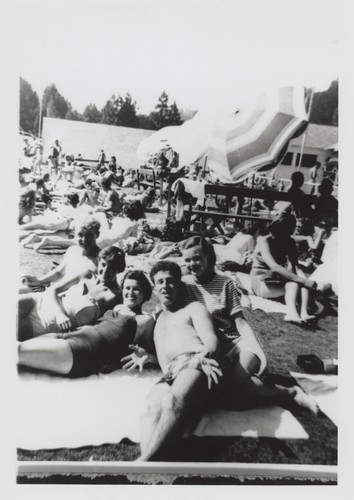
x=82 y=304
x=102 y=347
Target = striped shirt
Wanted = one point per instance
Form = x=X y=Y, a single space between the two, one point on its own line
x=220 y=297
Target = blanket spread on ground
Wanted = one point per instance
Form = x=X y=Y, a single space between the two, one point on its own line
x=57 y=412
x=323 y=389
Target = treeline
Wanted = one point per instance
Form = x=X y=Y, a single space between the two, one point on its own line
x=123 y=111
x=118 y=110
x=324 y=109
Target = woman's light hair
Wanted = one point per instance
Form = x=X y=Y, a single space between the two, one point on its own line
x=89 y=223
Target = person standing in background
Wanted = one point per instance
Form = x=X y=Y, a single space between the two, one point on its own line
x=55 y=151
x=313 y=177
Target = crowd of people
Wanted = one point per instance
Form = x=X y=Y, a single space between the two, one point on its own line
x=86 y=315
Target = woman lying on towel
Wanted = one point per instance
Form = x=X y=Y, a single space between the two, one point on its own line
x=103 y=347
x=50 y=220
x=82 y=304
x=274 y=270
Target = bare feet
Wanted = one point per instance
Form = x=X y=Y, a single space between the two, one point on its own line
x=29 y=240
x=307 y=317
x=39 y=245
x=293 y=319
x=302 y=399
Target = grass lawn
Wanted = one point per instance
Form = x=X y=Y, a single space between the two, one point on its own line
x=282 y=343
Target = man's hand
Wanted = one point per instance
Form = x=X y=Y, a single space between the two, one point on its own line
x=63 y=322
x=137 y=359
x=211 y=369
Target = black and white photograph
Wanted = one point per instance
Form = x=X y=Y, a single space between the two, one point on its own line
x=175 y=175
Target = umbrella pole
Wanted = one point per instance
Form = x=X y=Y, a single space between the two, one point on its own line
x=305 y=133
x=204 y=166
x=251 y=200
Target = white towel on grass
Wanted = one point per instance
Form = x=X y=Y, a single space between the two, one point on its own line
x=57 y=412
x=323 y=389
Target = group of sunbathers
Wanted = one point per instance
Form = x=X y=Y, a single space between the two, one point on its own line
x=87 y=323
x=86 y=317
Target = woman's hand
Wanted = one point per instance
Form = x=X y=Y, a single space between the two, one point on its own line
x=310 y=284
x=63 y=322
x=137 y=359
x=211 y=369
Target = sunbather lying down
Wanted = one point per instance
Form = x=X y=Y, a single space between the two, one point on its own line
x=82 y=304
x=98 y=348
x=80 y=261
x=54 y=221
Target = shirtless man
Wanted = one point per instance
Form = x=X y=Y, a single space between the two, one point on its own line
x=185 y=343
x=80 y=260
x=82 y=304
x=111 y=204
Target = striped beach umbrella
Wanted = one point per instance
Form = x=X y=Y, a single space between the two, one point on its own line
x=256 y=137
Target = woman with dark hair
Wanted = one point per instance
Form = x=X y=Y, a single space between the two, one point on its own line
x=103 y=347
x=274 y=270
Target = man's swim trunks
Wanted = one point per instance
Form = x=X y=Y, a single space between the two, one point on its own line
x=191 y=360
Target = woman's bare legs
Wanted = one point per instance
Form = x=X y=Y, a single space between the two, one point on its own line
x=305 y=298
x=291 y=294
x=47 y=352
x=54 y=241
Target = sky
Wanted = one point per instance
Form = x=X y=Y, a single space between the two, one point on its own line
x=203 y=53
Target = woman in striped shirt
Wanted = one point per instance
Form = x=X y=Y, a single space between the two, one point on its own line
x=242 y=358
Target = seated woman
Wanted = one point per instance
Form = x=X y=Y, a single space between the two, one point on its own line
x=111 y=205
x=81 y=304
x=274 y=270
x=99 y=348
x=241 y=357
x=219 y=294
x=309 y=242
x=80 y=260
x=91 y=194
x=326 y=208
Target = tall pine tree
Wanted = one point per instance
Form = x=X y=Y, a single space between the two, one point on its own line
x=164 y=114
x=54 y=105
x=324 y=109
x=29 y=108
x=92 y=114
